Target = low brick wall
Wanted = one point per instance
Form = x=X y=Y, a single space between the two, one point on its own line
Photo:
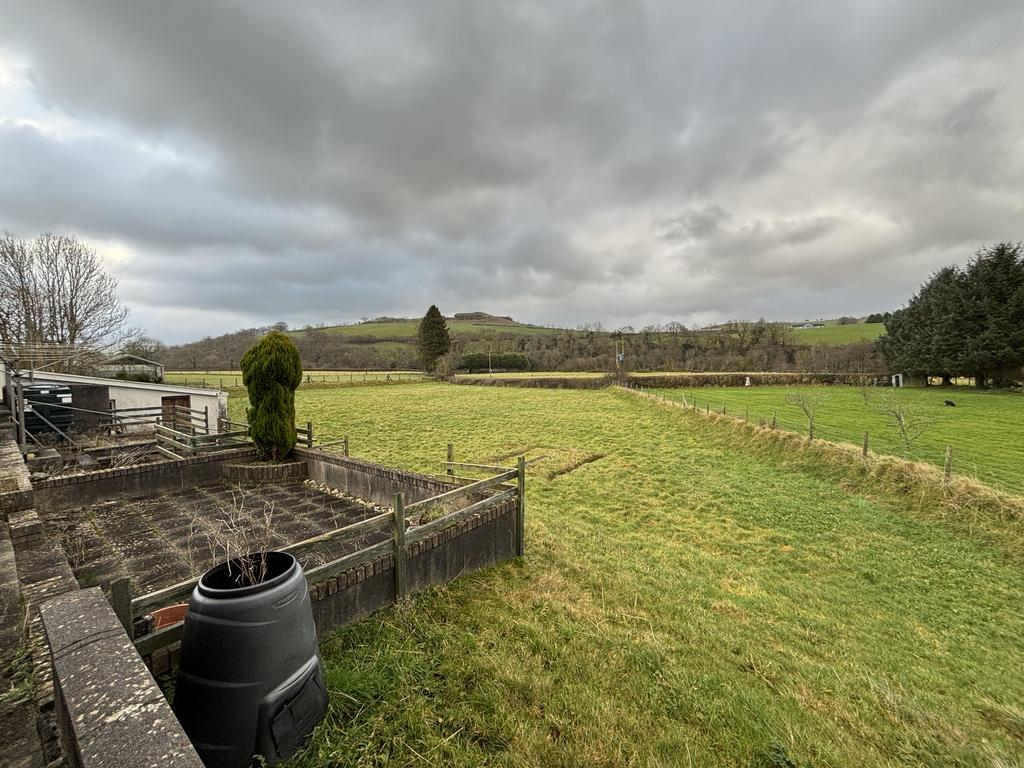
x=368 y=480
x=73 y=491
x=109 y=709
x=264 y=473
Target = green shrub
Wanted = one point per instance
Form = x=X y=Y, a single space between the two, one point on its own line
x=271 y=372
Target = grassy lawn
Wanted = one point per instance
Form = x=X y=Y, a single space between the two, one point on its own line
x=839 y=334
x=986 y=429
x=682 y=602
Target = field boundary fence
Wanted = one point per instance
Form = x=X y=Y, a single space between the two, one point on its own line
x=812 y=431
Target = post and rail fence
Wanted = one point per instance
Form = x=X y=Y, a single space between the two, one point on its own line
x=506 y=484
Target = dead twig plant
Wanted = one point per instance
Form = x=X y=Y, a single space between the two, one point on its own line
x=903 y=414
x=241 y=537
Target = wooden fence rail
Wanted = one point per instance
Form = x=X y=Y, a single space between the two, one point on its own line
x=397 y=544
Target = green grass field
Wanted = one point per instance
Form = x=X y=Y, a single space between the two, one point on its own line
x=683 y=601
x=834 y=333
x=986 y=429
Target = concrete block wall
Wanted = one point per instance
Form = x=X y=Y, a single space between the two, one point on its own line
x=15 y=481
x=368 y=480
x=110 y=712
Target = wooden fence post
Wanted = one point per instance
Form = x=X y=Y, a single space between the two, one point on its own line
x=864 y=448
x=451 y=457
x=206 y=418
x=521 y=511
x=346 y=446
x=949 y=462
x=309 y=434
x=121 y=602
x=398 y=526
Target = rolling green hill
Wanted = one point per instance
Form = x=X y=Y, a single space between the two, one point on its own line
x=406 y=328
x=390 y=344
x=834 y=334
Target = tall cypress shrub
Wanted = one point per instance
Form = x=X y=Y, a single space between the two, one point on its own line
x=271 y=372
x=432 y=339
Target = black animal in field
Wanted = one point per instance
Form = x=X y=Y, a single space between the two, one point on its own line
x=950 y=403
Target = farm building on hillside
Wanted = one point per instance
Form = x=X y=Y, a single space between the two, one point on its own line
x=126 y=366
x=131 y=406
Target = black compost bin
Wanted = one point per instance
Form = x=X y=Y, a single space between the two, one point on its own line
x=250 y=681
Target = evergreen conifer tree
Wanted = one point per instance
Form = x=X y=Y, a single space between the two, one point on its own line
x=964 y=322
x=432 y=339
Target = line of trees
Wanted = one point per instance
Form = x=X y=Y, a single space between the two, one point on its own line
x=55 y=291
x=738 y=346
x=477 y=362
x=964 y=322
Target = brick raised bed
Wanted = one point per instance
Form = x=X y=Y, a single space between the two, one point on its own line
x=265 y=473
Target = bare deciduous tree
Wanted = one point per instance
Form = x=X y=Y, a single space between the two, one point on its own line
x=908 y=419
x=54 y=290
x=808 y=402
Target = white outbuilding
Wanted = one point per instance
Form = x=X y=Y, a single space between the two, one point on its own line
x=96 y=395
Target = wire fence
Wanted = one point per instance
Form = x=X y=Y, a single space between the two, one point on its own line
x=871 y=430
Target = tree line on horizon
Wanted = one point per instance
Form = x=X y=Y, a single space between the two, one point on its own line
x=964 y=322
x=753 y=346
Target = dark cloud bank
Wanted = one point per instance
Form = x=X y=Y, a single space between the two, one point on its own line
x=245 y=162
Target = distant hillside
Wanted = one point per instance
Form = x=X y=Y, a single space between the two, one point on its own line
x=470 y=324
x=835 y=334
x=389 y=343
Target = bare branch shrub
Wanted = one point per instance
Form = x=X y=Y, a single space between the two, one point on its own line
x=130 y=457
x=240 y=537
x=906 y=416
x=808 y=401
x=73 y=544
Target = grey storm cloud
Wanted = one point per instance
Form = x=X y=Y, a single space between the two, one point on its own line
x=629 y=162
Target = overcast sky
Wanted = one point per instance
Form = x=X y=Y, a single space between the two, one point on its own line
x=240 y=163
